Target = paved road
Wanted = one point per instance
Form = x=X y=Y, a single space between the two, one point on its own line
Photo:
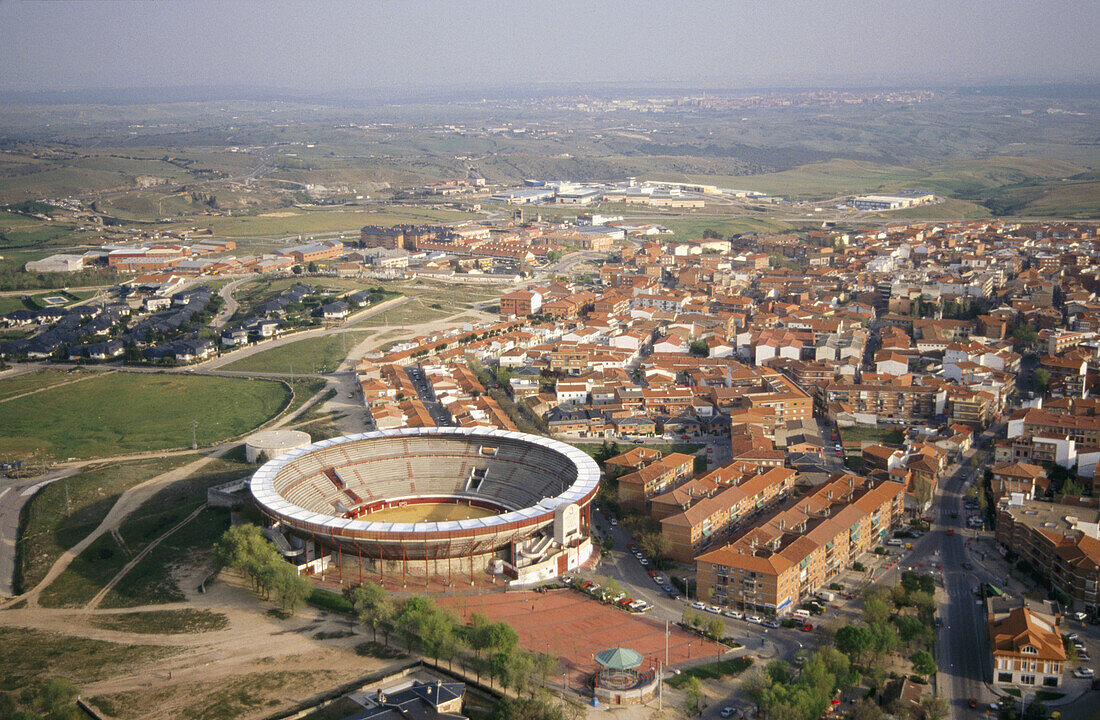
x=14 y=494
x=230 y=306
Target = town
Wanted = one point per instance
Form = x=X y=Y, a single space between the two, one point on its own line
x=784 y=423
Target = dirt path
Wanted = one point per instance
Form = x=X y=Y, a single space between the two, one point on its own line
x=95 y=601
x=253 y=642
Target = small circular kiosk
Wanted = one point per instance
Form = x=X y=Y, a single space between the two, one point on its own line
x=621 y=681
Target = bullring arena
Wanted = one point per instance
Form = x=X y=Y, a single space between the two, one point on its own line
x=447 y=502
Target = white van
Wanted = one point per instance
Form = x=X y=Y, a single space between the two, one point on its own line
x=894 y=542
x=801 y=614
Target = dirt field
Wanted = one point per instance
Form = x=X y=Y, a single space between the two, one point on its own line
x=429 y=512
x=575 y=627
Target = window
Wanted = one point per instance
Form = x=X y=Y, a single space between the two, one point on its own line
x=1004 y=677
x=1029 y=650
x=1050 y=681
x=1027 y=679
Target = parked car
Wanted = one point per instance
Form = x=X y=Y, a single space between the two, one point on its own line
x=735 y=614
x=726 y=712
x=771 y=624
x=754 y=619
x=1083 y=672
x=714 y=609
x=699 y=606
x=972 y=702
x=808 y=627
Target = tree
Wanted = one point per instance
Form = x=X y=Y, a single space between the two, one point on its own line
x=699 y=348
x=933 y=707
x=779 y=671
x=1024 y=334
x=884 y=636
x=911 y=629
x=923 y=662
x=709 y=234
x=290 y=588
x=1042 y=379
x=544 y=664
x=693 y=689
x=877 y=605
x=655 y=545
x=413 y=614
x=854 y=640
x=367 y=599
x=716 y=628
x=866 y=709
x=437 y=633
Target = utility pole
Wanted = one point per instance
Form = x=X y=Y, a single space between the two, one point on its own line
x=666 y=642
x=194 y=439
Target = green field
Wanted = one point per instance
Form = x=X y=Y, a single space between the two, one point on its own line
x=28 y=382
x=150 y=581
x=62 y=513
x=316 y=355
x=301 y=222
x=1024 y=186
x=885 y=435
x=689 y=228
x=122 y=413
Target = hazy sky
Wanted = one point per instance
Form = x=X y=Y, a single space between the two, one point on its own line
x=371 y=43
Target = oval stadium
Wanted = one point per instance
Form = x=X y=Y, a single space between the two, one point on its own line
x=431 y=501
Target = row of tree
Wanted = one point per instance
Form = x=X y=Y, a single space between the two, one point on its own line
x=487 y=647
x=245 y=549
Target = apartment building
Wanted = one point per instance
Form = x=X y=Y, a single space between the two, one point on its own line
x=778 y=563
x=1026 y=648
x=712 y=518
x=895 y=402
x=1018 y=477
x=1060 y=541
x=636 y=488
x=520 y=303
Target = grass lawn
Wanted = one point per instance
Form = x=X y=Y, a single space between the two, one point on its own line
x=311 y=355
x=128 y=412
x=11 y=303
x=29 y=656
x=712 y=671
x=885 y=435
x=163 y=622
x=62 y=513
x=150 y=581
x=693 y=227
x=27 y=382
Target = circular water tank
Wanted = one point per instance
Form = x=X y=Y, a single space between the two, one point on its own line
x=270 y=444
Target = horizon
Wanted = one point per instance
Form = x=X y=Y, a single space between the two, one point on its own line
x=105 y=46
